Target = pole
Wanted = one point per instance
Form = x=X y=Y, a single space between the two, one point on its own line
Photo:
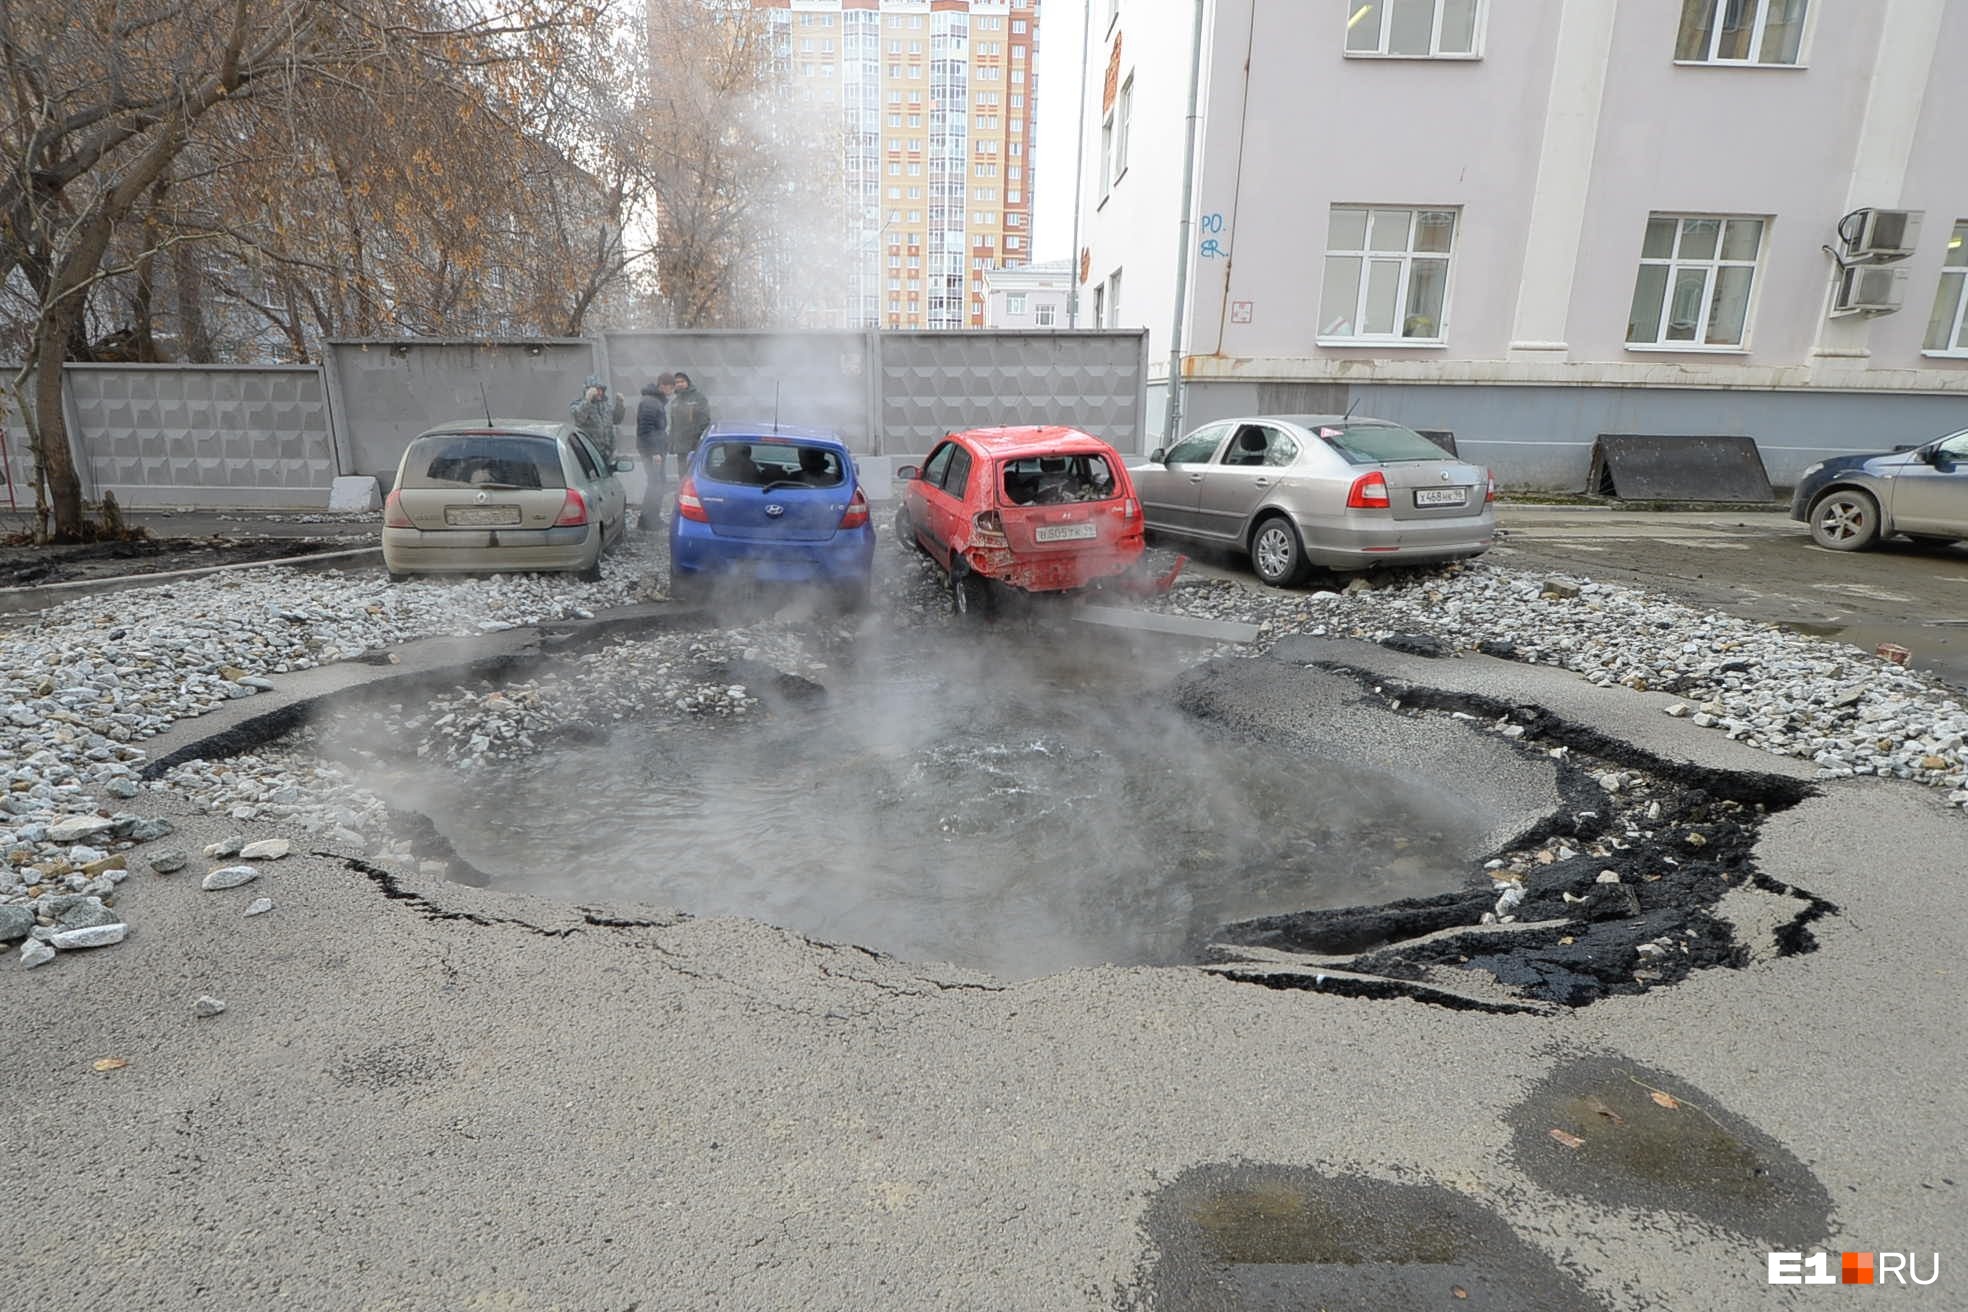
x=1079 y=176
x=1172 y=423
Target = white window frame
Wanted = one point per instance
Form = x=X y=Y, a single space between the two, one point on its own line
x=1383 y=12
x=1675 y=264
x=1759 y=32
x=1954 y=271
x=1407 y=256
x=1014 y=302
x=1046 y=315
x=1123 y=112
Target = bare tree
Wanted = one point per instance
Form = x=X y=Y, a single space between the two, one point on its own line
x=112 y=103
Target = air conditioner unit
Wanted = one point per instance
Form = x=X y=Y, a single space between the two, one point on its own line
x=1881 y=236
x=1869 y=289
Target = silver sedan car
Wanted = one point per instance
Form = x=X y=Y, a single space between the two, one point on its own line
x=1851 y=502
x=510 y=494
x=1338 y=491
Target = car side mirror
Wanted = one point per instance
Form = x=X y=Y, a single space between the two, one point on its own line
x=623 y=465
x=1159 y=455
x=908 y=474
x=1931 y=455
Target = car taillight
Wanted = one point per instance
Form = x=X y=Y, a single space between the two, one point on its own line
x=856 y=514
x=394 y=516
x=987 y=530
x=1130 y=509
x=1489 y=487
x=688 y=504
x=1369 y=492
x=573 y=510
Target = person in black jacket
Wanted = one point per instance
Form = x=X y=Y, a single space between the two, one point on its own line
x=652 y=443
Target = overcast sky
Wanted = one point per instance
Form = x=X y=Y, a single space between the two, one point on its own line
x=1059 y=71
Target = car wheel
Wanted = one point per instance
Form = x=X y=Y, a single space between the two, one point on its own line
x=970 y=595
x=1845 y=520
x=397 y=576
x=855 y=597
x=905 y=530
x=1276 y=553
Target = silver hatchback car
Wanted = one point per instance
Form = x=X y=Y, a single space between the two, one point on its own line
x=1338 y=491
x=507 y=494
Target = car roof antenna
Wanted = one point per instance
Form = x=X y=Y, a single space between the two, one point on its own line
x=1349 y=410
x=485 y=402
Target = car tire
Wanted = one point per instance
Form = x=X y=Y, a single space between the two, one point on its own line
x=905 y=530
x=396 y=576
x=855 y=597
x=970 y=595
x=1277 y=555
x=1845 y=519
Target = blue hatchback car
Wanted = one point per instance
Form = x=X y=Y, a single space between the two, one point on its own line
x=771 y=504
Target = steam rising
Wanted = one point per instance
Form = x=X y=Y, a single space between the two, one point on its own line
x=1016 y=805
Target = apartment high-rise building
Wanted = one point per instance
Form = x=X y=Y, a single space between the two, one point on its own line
x=935 y=102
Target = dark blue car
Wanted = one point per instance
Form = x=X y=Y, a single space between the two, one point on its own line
x=1851 y=502
x=771 y=504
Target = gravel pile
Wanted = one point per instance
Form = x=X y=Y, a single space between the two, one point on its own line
x=83 y=684
x=1844 y=709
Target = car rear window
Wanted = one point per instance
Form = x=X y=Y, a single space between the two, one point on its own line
x=1051 y=480
x=481 y=460
x=762 y=463
x=1372 y=444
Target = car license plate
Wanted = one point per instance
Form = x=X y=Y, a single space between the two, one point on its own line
x=1442 y=496
x=1065 y=532
x=480 y=516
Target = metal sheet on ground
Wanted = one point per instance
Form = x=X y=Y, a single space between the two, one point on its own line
x=1647 y=467
x=1181 y=626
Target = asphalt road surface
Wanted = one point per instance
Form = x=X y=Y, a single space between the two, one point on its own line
x=1761 y=567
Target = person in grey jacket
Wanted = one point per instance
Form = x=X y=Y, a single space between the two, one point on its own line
x=594 y=416
x=652 y=443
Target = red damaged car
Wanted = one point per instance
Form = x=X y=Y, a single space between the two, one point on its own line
x=1035 y=509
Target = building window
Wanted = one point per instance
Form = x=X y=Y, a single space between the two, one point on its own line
x=1414 y=29
x=1695 y=277
x=1387 y=274
x=1114 y=300
x=1015 y=303
x=1947 y=327
x=1044 y=314
x=1740 y=31
x=1123 y=111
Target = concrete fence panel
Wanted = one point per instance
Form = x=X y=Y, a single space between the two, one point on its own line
x=201 y=435
x=387 y=392
x=932 y=383
x=811 y=379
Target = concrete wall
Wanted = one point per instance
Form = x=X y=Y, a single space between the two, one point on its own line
x=932 y=383
x=821 y=379
x=386 y=392
x=207 y=435
x=1539 y=438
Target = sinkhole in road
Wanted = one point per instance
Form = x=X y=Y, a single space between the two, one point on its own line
x=1014 y=804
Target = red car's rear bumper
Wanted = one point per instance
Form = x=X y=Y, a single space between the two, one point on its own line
x=1054 y=572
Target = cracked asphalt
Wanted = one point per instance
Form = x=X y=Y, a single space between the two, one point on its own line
x=425 y=1095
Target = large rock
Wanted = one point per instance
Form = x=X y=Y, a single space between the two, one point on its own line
x=35 y=953
x=96 y=936
x=266 y=849
x=76 y=828
x=85 y=913
x=16 y=921
x=228 y=877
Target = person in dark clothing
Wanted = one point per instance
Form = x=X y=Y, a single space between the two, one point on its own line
x=652 y=443
x=690 y=415
x=595 y=413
